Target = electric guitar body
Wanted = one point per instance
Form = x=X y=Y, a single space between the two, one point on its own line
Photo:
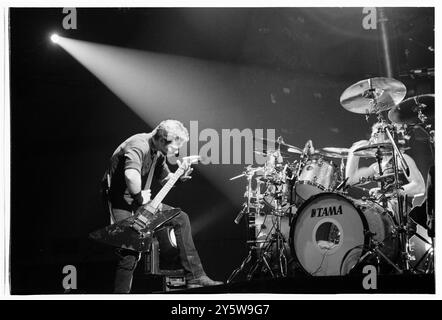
x=135 y=233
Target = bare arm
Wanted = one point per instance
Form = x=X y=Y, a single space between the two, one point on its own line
x=133 y=180
x=133 y=183
x=352 y=170
x=416 y=183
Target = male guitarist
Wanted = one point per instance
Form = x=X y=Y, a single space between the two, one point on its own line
x=133 y=165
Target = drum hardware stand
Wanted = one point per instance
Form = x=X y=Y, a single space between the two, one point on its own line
x=401 y=214
x=428 y=256
x=242 y=266
x=374 y=249
x=379 y=157
x=342 y=169
x=263 y=258
x=278 y=239
x=246 y=211
x=372 y=95
x=280 y=246
x=402 y=229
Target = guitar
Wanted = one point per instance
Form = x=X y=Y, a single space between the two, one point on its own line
x=135 y=233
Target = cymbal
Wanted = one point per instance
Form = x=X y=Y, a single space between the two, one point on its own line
x=280 y=141
x=249 y=171
x=371 y=149
x=266 y=153
x=407 y=112
x=373 y=95
x=334 y=152
x=294 y=150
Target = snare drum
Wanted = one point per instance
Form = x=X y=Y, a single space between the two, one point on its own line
x=317 y=175
x=331 y=233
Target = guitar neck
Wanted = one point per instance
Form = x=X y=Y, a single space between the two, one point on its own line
x=165 y=189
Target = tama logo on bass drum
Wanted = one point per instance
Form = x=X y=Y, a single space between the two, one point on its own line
x=326 y=211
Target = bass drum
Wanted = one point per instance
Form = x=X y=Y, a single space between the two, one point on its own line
x=331 y=233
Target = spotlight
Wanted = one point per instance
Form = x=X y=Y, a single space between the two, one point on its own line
x=55 y=38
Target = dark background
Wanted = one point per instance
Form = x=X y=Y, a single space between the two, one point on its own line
x=65 y=123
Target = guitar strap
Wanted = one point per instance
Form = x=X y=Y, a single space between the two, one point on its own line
x=151 y=172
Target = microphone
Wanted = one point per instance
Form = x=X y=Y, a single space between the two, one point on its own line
x=240 y=215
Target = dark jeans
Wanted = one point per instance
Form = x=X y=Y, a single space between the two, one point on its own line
x=127 y=259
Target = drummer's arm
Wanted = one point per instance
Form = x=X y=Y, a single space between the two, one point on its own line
x=352 y=170
x=416 y=183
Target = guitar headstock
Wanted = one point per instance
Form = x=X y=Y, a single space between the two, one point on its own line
x=190 y=160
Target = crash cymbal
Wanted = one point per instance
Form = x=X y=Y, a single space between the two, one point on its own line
x=334 y=152
x=373 y=95
x=288 y=147
x=407 y=112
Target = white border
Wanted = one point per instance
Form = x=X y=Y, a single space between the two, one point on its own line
x=5 y=161
x=5 y=131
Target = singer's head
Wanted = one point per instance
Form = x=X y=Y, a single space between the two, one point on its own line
x=169 y=136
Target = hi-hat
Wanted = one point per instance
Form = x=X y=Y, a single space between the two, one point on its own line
x=414 y=110
x=334 y=152
x=370 y=150
x=373 y=95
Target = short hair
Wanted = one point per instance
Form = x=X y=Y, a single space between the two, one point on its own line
x=171 y=130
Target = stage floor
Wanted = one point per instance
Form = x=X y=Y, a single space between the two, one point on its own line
x=385 y=284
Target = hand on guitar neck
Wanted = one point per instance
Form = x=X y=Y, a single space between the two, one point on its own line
x=146 y=194
x=149 y=210
x=186 y=166
x=182 y=172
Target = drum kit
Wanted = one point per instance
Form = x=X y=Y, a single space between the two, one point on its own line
x=300 y=215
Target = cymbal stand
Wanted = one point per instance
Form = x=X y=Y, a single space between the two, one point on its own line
x=374 y=249
x=342 y=168
x=280 y=245
x=250 y=223
x=379 y=157
x=402 y=217
x=371 y=94
x=277 y=240
x=427 y=259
